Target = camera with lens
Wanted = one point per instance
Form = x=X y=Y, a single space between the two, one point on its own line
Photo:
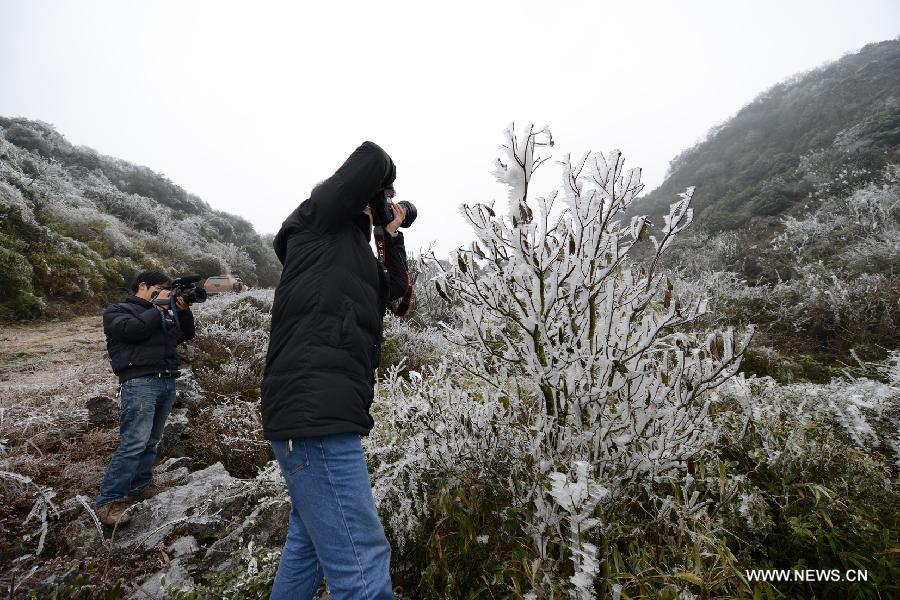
x=382 y=214
x=184 y=287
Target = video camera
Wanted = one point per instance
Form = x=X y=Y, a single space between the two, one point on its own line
x=382 y=214
x=184 y=287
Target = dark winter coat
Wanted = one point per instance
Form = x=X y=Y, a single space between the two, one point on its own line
x=327 y=314
x=141 y=341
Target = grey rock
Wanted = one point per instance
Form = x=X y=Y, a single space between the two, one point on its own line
x=267 y=524
x=82 y=538
x=188 y=392
x=174 y=434
x=153 y=519
x=73 y=432
x=183 y=546
x=102 y=410
x=52 y=439
x=174 y=575
x=173 y=477
x=171 y=464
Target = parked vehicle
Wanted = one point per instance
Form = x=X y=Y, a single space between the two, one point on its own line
x=224 y=283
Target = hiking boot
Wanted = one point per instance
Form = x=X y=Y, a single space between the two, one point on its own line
x=113 y=513
x=146 y=493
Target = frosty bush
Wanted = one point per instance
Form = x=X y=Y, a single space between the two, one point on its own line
x=866 y=411
x=229 y=351
x=825 y=284
x=845 y=255
x=434 y=432
x=43 y=507
x=573 y=353
x=428 y=308
x=227 y=359
x=866 y=222
x=815 y=471
x=410 y=347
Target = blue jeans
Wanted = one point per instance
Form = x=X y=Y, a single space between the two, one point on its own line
x=146 y=403
x=334 y=530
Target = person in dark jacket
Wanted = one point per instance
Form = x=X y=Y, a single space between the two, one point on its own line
x=140 y=339
x=318 y=383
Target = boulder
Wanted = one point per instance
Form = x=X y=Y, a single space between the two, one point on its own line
x=192 y=502
x=183 y=546
x=188 y=392
x=82 y=538
x=174 y=575
x=174 y=435
x=173 y=463
x=53 y=439
x=171 y=477
x=267 y=525
x=102 y=411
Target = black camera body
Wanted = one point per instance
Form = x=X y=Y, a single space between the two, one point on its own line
x=184 y=287
x=382 y=214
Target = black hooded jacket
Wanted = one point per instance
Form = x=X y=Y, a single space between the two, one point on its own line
x=329 y=304
x=141 y=339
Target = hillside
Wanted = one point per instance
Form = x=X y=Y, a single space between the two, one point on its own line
x=756 y=167
x=75 y=225
x=797 y=217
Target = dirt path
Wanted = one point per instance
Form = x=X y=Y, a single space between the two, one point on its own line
x=29 y=350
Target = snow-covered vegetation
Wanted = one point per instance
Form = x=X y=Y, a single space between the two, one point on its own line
x=569 y=412
x=76 y=225
x=574 y=427
x=823 y=288
x=587 y=427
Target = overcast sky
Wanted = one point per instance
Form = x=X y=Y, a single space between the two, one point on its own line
x=249 y=104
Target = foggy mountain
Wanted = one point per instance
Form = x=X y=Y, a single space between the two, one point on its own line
x=755 y=167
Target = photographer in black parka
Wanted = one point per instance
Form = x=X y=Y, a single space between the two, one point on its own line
x=319 y=378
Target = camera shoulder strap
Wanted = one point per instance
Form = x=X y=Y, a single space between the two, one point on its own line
x=401 y=306
x=379 y=233
x=405 y=300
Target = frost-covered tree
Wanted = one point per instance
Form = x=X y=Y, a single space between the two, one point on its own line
x=580 y=350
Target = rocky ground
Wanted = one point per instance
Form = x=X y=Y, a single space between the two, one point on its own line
x=58 y=429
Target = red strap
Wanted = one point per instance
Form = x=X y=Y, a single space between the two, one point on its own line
x=401 y=307
x=406 y=299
